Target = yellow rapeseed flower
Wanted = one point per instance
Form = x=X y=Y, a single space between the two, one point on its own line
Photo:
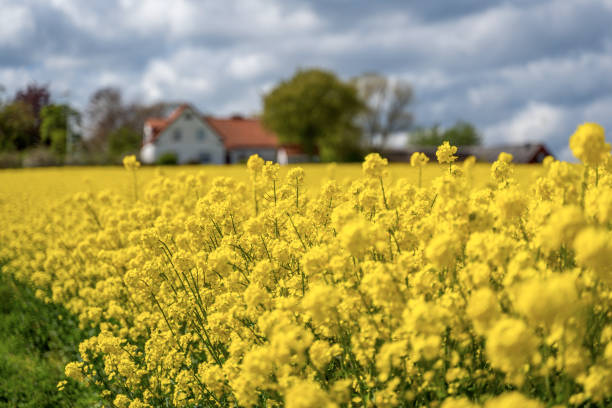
x=130 y=162
x=589 y=145
x=418 y=159
x=445 y=153
x=374 y=166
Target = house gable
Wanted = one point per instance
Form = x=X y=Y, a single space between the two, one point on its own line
x=190 y=128
x=185 y=134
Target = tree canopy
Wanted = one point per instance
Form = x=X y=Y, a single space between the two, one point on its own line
x=34 y=95
x=55 y=127
x=113 y=127
x=462 y=133
x=387 y=103
x=124 y=140
x=316 y=110
x=103 y=116
x=17 y=126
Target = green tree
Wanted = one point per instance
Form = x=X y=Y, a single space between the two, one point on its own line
x=421 y=136
x=316 y=110
x=461 y=133
x=124 y=140
x=36 y=97
x=17 y=122
x=55 y=127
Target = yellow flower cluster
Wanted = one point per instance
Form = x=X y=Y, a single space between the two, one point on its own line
x=130 y=162
x=445 y=153
x=418 y=159
x=589 y=145
x=370 y=292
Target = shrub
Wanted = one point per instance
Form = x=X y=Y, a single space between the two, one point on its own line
x=167 y=159
x=10 y=160
x=40 y=157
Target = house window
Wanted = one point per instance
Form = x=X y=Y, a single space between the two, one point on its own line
x=188 y=116
x=200 y=135
x=204 y=157
x=176 y=136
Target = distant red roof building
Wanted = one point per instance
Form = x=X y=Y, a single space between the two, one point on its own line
x=209 y=139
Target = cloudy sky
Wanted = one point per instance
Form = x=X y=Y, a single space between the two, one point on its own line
x=522 y=70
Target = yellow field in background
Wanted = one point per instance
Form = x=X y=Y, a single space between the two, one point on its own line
x=32 y=186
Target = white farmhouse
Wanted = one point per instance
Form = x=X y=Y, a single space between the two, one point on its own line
x=194 y=138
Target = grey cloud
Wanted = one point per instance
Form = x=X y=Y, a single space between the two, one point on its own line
x=494 y=63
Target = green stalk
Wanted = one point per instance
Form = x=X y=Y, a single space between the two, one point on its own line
x=382 y=187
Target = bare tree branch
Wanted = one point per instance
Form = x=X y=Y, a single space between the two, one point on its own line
x=387 y=102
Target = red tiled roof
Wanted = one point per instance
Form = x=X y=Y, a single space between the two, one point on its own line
x=236 y=132
x=157 y=125
x=239 y=132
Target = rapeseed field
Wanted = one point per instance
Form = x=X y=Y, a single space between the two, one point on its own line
x=448 y=284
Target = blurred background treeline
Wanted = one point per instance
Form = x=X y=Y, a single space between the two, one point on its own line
x=334 y=119
x=38 y=129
